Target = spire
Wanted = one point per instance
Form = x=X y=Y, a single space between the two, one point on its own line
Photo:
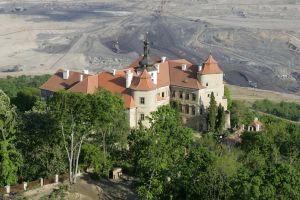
x=146 y=62
x=146 y=46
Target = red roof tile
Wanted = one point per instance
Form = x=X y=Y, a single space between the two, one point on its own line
x=89 y=85
x=170 y=73
x=186 y=78
x=143 y=82
x=56 y=82
x=117 y=85
x=210 y=66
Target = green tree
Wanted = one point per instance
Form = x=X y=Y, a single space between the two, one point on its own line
x=10 y=158
x=110 y=123
x=157 y=150
x=26 y=99
x=40 y=143
x=73 y=111
x=212 y=113
x=241 y=114
x=227 y=94
x=220 y=119
x=93 y=157
x=12 y=85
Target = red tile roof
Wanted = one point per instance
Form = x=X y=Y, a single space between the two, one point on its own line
x=56 y=82
x=170 y=73
x=89 y=85
x=117 y=85
x=143 y=82
x=210 y=66
x=186 y=78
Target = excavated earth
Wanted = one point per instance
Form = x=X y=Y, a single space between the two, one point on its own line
x=256 y=42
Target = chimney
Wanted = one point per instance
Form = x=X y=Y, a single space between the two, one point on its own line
x=157 y=68
x=199 y=68
x=85 y=71
x=129 y=77
x=163 y=59
x=81 y=77
x=183 y=67
x=114 y=72
x=154 y=77
x=66 y=74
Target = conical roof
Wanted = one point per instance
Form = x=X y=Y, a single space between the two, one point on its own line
x=143 y=82
x=211 y=66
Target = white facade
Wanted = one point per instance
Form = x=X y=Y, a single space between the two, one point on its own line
x=193 y=103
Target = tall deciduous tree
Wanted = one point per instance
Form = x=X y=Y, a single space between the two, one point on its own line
x=110 y=122
x=10 y=158
x=73 y=112
x=212 y=113
x=157 y=150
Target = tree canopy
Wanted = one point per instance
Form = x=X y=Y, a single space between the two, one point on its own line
x=10 y=158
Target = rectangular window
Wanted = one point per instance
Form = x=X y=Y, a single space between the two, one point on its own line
x=142 y=118
x=173 y=94
x=162 y=94
x=187 y=109
x=206 y=84
x=187 y=96
x=194 y=97
x=193 y=110
x=180 y=95
x=142 y=100
x=208 y=95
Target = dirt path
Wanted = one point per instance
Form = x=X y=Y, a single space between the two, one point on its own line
x=88 y=189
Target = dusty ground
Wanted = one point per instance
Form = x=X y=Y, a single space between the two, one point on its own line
x=256 y=41
x=87 y=189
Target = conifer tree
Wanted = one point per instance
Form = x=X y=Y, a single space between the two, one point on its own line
x=220 y=118
x=212 y=113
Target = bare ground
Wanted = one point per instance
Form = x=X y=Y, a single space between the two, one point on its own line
x=256 y=41
x=88 y=189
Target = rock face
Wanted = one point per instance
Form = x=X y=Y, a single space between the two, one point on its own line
x=257 y=42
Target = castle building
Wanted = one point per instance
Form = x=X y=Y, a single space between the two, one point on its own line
x=150 y=83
